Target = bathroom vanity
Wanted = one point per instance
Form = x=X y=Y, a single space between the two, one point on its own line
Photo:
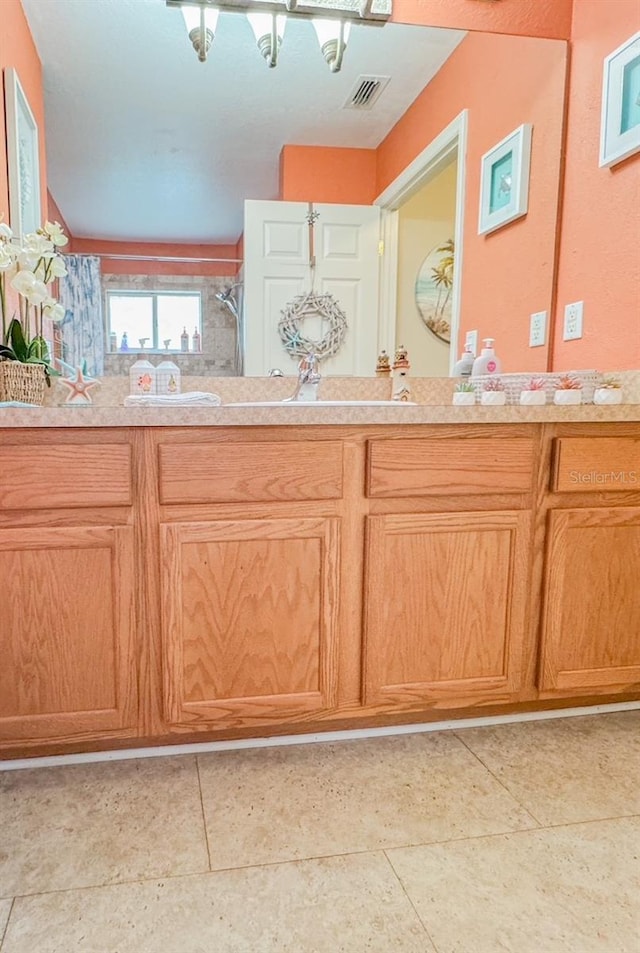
x=168 y=581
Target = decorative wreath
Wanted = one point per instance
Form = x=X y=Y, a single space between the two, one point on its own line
x=312 y=305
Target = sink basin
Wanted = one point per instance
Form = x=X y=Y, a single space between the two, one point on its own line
x=323 y=403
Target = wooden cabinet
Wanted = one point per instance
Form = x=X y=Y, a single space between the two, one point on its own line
x=591 y=620
x=269 y=579
x=67 y=632
x=249 y=620
x=445 y=605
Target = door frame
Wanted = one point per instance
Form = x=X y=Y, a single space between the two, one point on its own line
x=450 y=142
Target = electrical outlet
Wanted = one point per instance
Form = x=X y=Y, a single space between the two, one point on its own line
x=573 y=321
x=538 y=329
x=471 y=341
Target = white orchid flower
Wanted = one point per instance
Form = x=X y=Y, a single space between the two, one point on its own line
x=57 y=268
x=7 y=259
x=30 y=287
x=55 y=233
x=6 y=233
x=54 y=311
x=35 y=244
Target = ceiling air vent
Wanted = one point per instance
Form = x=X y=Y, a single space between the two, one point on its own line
x=365 y=92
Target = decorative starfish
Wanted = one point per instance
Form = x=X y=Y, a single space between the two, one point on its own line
x=79 y=387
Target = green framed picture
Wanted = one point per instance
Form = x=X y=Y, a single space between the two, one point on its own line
x=504 y=181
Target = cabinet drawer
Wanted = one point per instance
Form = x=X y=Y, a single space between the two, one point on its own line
x=451 y=467
x=590 y=464
x=60 y=476
x=250 y=472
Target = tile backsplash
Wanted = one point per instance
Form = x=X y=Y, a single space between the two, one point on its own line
x=435 y=391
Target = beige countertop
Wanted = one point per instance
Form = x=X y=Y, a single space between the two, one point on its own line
x=296 y=415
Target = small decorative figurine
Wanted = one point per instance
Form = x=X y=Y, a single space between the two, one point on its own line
x=79 y=387
x=401 y=360
x=383 y=366
x=401 y=389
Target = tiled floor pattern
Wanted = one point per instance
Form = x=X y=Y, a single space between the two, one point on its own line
x=521 y=838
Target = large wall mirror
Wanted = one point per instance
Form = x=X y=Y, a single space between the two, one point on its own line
x=151 y=155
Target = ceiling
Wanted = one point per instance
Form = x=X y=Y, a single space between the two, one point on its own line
x=144 y=143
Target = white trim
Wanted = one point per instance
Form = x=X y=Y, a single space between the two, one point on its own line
x=17 y=109
x=615 y=145
x=433 y=158
x=388 y=280
x=518 y=143
x=276 y=741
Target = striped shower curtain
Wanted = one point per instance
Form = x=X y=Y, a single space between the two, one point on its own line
x=83 y=337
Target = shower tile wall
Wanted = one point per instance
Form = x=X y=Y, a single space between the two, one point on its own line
x=218 y=357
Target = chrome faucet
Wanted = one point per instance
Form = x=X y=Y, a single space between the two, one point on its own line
x=308 y=379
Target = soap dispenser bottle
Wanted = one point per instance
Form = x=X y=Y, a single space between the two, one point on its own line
x=488 y=362
x=464 y=366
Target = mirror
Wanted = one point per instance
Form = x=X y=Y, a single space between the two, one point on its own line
x=150 y=155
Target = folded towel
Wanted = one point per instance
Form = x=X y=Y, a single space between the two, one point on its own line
x=194 y=398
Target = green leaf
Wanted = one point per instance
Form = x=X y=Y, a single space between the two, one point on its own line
x=17 y=339
x=39 y=348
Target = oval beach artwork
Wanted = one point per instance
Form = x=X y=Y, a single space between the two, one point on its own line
x=434 y=285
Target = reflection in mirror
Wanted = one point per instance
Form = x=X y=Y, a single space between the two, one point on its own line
x=149 y=169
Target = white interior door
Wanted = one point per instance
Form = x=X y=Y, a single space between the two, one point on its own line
x=276 y=269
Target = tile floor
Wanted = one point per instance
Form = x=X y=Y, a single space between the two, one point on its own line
x=521 y=838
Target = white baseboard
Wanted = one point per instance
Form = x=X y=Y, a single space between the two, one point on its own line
x=275 y=741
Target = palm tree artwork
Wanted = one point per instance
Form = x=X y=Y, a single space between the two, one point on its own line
x=434 y=285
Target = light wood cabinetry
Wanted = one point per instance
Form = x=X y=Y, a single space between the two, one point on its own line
x=591 y=622
x=68 y=621
x=445 y=605
x=250 y=619
x=216 y=582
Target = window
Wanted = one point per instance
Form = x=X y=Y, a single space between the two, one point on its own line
x=152 y=320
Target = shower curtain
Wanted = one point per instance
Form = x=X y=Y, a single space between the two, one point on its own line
x=82 y=328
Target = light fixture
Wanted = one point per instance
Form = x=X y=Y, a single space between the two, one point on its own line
x=331 y=19
x=332 y=37
x=268 y=29
x=201 y=22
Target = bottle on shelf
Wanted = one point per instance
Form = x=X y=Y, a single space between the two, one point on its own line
x=196 y=341
x=124 y=343
x=464 y=366
x=184 y=341
x=488 y=362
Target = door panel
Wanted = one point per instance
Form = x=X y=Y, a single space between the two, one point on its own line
x=249 y=620
x=67 y=633
x=276 y=269
x=591 y=623
x=446 y=598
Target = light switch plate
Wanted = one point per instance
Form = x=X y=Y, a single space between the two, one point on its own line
x=538 y=329
x=573 y=321
x=471 y=341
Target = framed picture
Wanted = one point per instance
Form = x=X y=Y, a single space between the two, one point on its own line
x=22 y=158
x=504 y=181
x=620 y=122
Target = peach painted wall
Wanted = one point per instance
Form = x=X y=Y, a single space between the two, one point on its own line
x=542 y=18
x=116 y=266
x=17 y=50
x=508 y=274
x=54 y=214
x=600 y=223
x=326 y=174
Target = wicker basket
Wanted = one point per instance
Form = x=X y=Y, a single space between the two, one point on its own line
x=514 y=383
x=22 y=382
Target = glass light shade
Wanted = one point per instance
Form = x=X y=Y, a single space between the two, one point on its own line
x=327 y=30
x=261 y=24
x=192 y=18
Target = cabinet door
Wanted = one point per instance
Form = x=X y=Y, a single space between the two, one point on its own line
x=67 y=632
x=591 y=623
x=249 y=612
x=445 y=608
